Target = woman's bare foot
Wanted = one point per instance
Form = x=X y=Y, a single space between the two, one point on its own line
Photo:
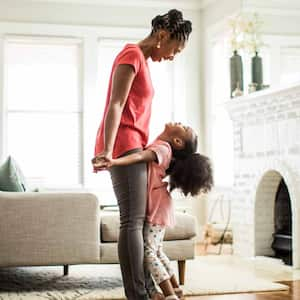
x=157 y=296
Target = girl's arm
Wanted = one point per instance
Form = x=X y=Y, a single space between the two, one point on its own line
x=137 y=157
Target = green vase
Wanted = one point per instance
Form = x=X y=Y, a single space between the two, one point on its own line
x=236 y=72
x=257 y=71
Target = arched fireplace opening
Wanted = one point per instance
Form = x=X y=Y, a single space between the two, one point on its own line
x=282 y=237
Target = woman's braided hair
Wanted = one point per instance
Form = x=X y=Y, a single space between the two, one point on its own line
x=173 y=22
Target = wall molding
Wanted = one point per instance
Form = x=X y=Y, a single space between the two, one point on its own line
x=273 y=7
x=180 y=4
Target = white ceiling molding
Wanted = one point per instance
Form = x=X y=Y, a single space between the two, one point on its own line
x=273 y=7
x=180 y=4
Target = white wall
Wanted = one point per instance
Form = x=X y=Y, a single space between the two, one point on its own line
x=213 y=20
x=279 y=16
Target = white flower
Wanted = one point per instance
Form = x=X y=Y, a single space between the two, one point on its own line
x=244 y=33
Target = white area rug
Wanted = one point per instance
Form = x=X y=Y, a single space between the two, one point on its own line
x=205 y=275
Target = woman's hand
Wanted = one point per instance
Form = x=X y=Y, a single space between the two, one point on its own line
x=103 y=164
x=102 y=161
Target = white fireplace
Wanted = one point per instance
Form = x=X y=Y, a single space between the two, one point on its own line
x=266 y=128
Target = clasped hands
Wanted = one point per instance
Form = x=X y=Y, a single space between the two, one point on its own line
x=102 y=162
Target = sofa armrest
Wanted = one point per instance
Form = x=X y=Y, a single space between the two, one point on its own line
x=48 y=228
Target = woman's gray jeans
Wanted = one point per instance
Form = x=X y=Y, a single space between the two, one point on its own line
x=130 y=187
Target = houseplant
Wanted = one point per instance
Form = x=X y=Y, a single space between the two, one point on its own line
x=236 y=32
x=253 y=43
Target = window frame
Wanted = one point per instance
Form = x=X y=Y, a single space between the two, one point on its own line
x=39 y=40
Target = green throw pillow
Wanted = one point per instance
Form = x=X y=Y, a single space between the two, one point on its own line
x=11 y=177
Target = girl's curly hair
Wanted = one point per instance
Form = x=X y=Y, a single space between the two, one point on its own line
x=189 y=171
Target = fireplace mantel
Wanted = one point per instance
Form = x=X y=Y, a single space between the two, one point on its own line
x=264 y=103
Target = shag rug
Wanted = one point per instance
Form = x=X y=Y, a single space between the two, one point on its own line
x=204 y=276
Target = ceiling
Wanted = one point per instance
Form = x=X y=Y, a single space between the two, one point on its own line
x=188 y=4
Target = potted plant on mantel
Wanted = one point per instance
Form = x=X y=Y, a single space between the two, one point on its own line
x=253 y=43
x=244 y=34
x=236 y=38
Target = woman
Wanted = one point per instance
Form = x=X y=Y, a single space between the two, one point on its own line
x=125 y=129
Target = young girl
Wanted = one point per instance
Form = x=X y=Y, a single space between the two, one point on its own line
x=172 y=153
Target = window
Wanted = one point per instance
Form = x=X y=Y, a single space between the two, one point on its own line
x=43 y=109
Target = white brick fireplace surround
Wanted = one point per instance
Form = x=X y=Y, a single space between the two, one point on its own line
x=266 y=128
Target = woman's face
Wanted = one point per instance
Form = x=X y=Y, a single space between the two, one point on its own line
x=168 y=49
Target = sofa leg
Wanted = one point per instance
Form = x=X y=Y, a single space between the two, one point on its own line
x=66 y=270
x=181 y=271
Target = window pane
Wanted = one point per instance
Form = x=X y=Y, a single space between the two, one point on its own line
x=42 y=92
x=290 y=65
x=46 y=145
x=42 y=77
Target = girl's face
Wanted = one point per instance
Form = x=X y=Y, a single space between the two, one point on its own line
x=179 y=134
x=168 y=49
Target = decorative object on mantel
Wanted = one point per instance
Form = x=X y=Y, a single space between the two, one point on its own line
x=236 y=75
x=252 y=87
x=253 y=43
x=237 y=92
x=257 y=71
x=245 y=35
x=236 y=43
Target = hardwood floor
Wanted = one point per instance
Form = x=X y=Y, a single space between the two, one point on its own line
x=292 y=294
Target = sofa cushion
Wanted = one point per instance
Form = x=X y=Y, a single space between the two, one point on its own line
x=11 y=177
x=185 y=227
x=175 y=250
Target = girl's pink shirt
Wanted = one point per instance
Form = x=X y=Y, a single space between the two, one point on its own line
x=159 y=203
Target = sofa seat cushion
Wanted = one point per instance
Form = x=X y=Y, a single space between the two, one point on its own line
x=185 y=227
x=175 y=250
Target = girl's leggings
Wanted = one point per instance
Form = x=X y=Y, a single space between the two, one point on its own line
x=156 y=260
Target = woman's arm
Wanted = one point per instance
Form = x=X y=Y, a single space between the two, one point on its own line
x=121 y=84
x=143 y=156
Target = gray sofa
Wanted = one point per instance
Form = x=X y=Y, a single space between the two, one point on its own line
x=41 y=229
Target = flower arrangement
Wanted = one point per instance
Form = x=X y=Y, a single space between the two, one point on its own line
x=245 y=33
x=236 y=33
